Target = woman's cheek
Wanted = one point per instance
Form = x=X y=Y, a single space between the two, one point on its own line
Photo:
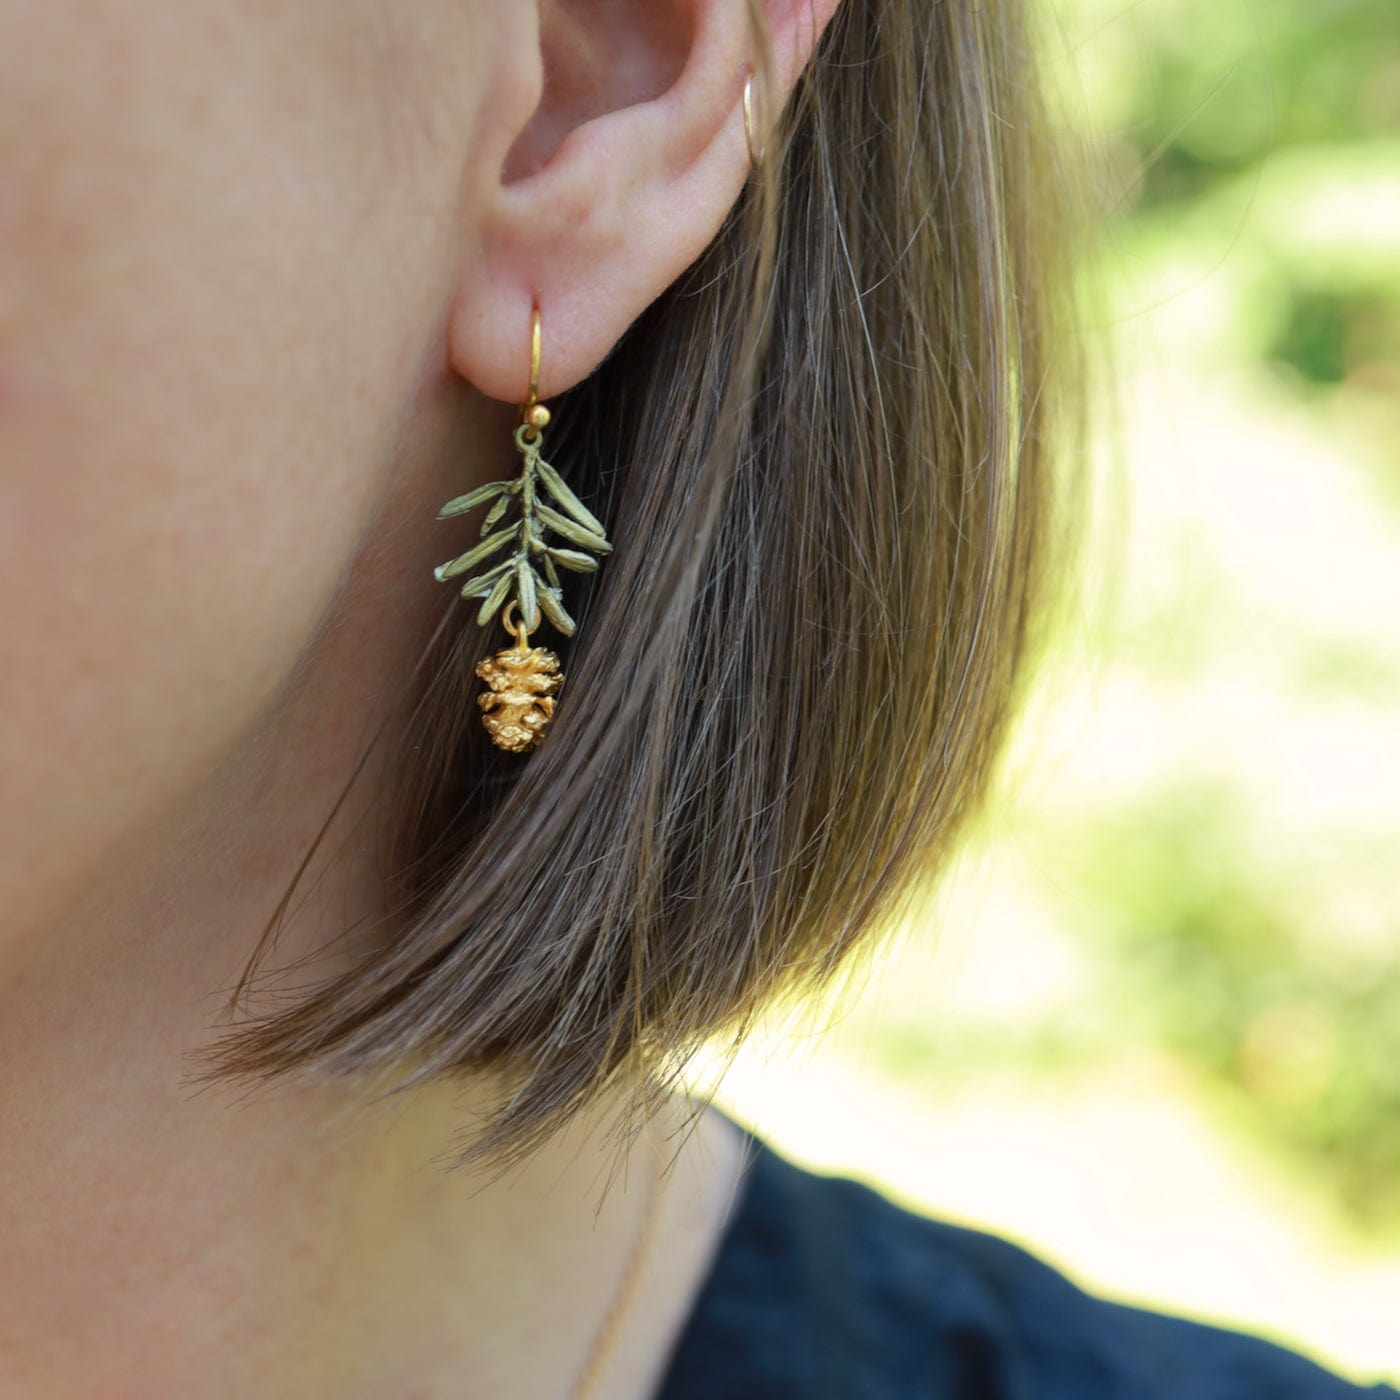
x=206 y=334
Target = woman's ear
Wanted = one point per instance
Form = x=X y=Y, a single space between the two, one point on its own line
x=605 y=170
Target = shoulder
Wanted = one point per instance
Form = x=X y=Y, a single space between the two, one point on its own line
x=823 y=1287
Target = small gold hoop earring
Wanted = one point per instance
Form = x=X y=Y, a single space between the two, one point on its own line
x=524 y=681
x=750 y=125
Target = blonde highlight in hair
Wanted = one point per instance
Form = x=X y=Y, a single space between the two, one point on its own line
x=832 y=459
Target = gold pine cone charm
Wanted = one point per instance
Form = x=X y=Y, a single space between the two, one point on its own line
x=523 y=681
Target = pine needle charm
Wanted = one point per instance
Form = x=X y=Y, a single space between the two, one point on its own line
x=543 y=538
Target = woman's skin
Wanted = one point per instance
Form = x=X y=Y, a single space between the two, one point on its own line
x=266 y=269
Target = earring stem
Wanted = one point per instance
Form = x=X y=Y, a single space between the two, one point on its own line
x=533 y=414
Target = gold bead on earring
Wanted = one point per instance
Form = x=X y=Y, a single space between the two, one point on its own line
x=524 y=681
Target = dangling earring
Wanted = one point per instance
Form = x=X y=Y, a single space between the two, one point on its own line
x=522 y=680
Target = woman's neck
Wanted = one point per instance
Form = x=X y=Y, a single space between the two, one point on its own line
x=157 y=1246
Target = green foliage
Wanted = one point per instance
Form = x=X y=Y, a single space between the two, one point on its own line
x=1231 y=961
x=537 y=593
x=1258 y=176
x=1218 y=865
x=1256 y=122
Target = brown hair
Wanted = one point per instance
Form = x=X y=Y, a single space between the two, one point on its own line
x=825 y=457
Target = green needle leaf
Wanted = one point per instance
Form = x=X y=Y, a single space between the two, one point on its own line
x=573 y=559
x=482 y=583
x=495 y=599
x=554 y=484
x=571 y=530
x=460 y=505
x=472 y=557
x=553 y=609
x=495 y=513
x=529 y=604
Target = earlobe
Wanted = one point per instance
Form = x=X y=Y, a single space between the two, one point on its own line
x=620 y=178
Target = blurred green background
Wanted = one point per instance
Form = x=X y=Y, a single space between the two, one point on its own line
x=1152 y=1028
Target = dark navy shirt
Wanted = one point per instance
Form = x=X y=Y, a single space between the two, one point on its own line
x=823 y=1289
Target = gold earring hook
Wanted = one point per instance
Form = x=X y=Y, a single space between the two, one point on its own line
x=750 y=124
x=533 y=414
